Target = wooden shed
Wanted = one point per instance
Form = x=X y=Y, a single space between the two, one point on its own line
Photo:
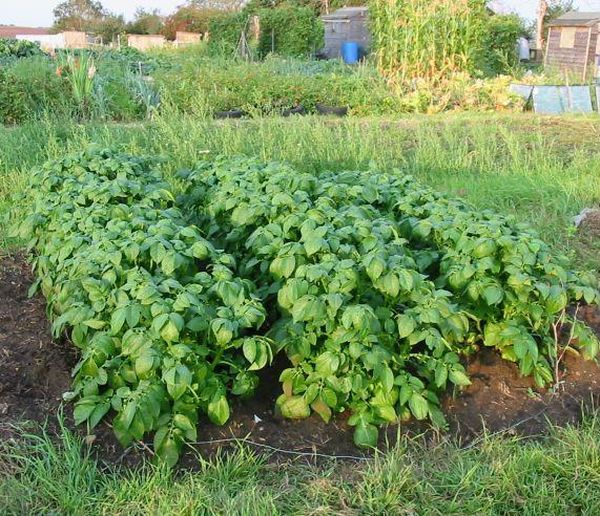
x=573 y=44
x=346 y=24
x=145 y=41
x=75 y=39
x=183 y=38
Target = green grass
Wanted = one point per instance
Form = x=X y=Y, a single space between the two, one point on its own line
x=540 y=170
x=557 y=475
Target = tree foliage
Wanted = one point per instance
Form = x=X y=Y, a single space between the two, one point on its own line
x=498 y=51
x=557 y=8
x=88 y=16
x=146 y=22
x=189 y=18
x=289 y=30
x=286 y=28
x=78 y=15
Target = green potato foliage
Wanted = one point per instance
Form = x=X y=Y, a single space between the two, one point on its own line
x=382 y=285
x=376 y=289
x=164 y=326
x=14 y=48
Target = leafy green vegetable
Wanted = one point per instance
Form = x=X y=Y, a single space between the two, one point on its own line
x=375 y=289
x=381 y=285
x=159 y=316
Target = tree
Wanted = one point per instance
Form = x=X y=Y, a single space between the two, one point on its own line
x=146 y=22
x=192 y=17
x=88 y=16
x=79 y=15
x=320 y=6
x=555 y=9
x=109 y=27
x=217 y=5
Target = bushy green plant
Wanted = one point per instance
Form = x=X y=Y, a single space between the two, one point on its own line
x=286 y=28
x=225 y=31
x=375 y=289
x=204 y=86
x=156 y=311
x=13 y=101
x=30 y=88
x=121 y=92
x=381 y=286
x=499 y=48
x=290 y=31
x=18 y=48
x=264 y=88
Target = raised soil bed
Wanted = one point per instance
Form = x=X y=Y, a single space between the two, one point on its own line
x=35 y=371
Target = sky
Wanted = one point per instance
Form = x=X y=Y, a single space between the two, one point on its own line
x=38 y=13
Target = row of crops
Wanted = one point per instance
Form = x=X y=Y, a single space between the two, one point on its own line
x=374 y=288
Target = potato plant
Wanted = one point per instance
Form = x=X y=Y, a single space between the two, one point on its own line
x=165 y=329
x=373 y=287
x=382 y=285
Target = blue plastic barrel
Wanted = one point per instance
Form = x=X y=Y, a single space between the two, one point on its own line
x=350 y=52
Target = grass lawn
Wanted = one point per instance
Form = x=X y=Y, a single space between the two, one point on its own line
x=540 y=170
x=557 y=475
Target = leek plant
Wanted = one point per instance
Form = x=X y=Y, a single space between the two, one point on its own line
x=81 y=71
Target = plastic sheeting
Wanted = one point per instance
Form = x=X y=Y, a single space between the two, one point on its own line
x=555 y=100
x=522 y=90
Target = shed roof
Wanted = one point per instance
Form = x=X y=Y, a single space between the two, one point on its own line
x=576 y=19
x=345 y=13
x=11 y=31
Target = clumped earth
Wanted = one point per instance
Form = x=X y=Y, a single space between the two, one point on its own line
x=35 y=371
x=590 y=225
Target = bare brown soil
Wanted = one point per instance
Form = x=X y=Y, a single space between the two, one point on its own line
x=590 y=226
x=35 y=371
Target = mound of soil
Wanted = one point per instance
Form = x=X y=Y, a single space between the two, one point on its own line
x=35 y=371
x=590 y=225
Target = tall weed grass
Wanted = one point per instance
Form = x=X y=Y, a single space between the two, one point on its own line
x=559 y=474
x=521 y=166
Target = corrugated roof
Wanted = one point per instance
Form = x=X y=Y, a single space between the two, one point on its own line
x=578 y=19
x=345 y=12
x=11 y=31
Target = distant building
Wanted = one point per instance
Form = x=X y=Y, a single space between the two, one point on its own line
x=145 y=41
x=11 y=31
x=346 y=24
x=573 y=44
x=183 y=38
x=52 y=42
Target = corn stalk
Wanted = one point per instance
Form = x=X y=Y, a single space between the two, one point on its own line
x=426 y=39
